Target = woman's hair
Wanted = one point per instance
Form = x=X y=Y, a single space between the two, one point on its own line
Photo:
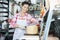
x=25 y=2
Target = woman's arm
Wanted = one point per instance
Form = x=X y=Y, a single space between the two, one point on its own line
x=33 y=20
x=12 y=22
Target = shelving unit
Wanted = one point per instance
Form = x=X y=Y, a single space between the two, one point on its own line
x=4 y=11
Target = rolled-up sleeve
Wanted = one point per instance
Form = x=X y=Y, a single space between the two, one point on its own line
x=13 y=21
x=32 y=20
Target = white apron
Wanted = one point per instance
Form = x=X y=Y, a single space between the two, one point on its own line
x=19 y=32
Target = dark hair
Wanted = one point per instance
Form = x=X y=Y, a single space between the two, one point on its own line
x=25 y=2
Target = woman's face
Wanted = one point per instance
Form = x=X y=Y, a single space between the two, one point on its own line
x=25 y=7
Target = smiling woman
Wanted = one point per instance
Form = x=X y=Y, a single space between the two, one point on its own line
x=21 y=20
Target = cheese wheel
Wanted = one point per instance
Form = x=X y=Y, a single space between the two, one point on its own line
x=32 y=29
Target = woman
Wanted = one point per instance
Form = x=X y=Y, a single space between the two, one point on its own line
x=20 y=20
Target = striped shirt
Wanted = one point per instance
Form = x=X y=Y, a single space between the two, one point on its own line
x=27 y=16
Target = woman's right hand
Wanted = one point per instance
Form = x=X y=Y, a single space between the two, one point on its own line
x=20 y=26
x=17 y=26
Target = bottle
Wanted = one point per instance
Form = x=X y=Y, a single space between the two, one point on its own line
x=4 y=25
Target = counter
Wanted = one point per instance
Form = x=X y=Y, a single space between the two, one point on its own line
x=30 y=37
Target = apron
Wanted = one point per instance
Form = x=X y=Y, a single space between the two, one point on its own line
x=19 y=33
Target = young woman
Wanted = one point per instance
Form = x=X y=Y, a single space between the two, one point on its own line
x=20 y=20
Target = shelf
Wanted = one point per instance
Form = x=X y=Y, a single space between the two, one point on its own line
x=3 y=16
x=4 y=3
x=3 y=11
x=3 y=7
x=3 y=30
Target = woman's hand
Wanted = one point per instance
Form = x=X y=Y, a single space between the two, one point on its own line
x=17 y=26
x=20 y=26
